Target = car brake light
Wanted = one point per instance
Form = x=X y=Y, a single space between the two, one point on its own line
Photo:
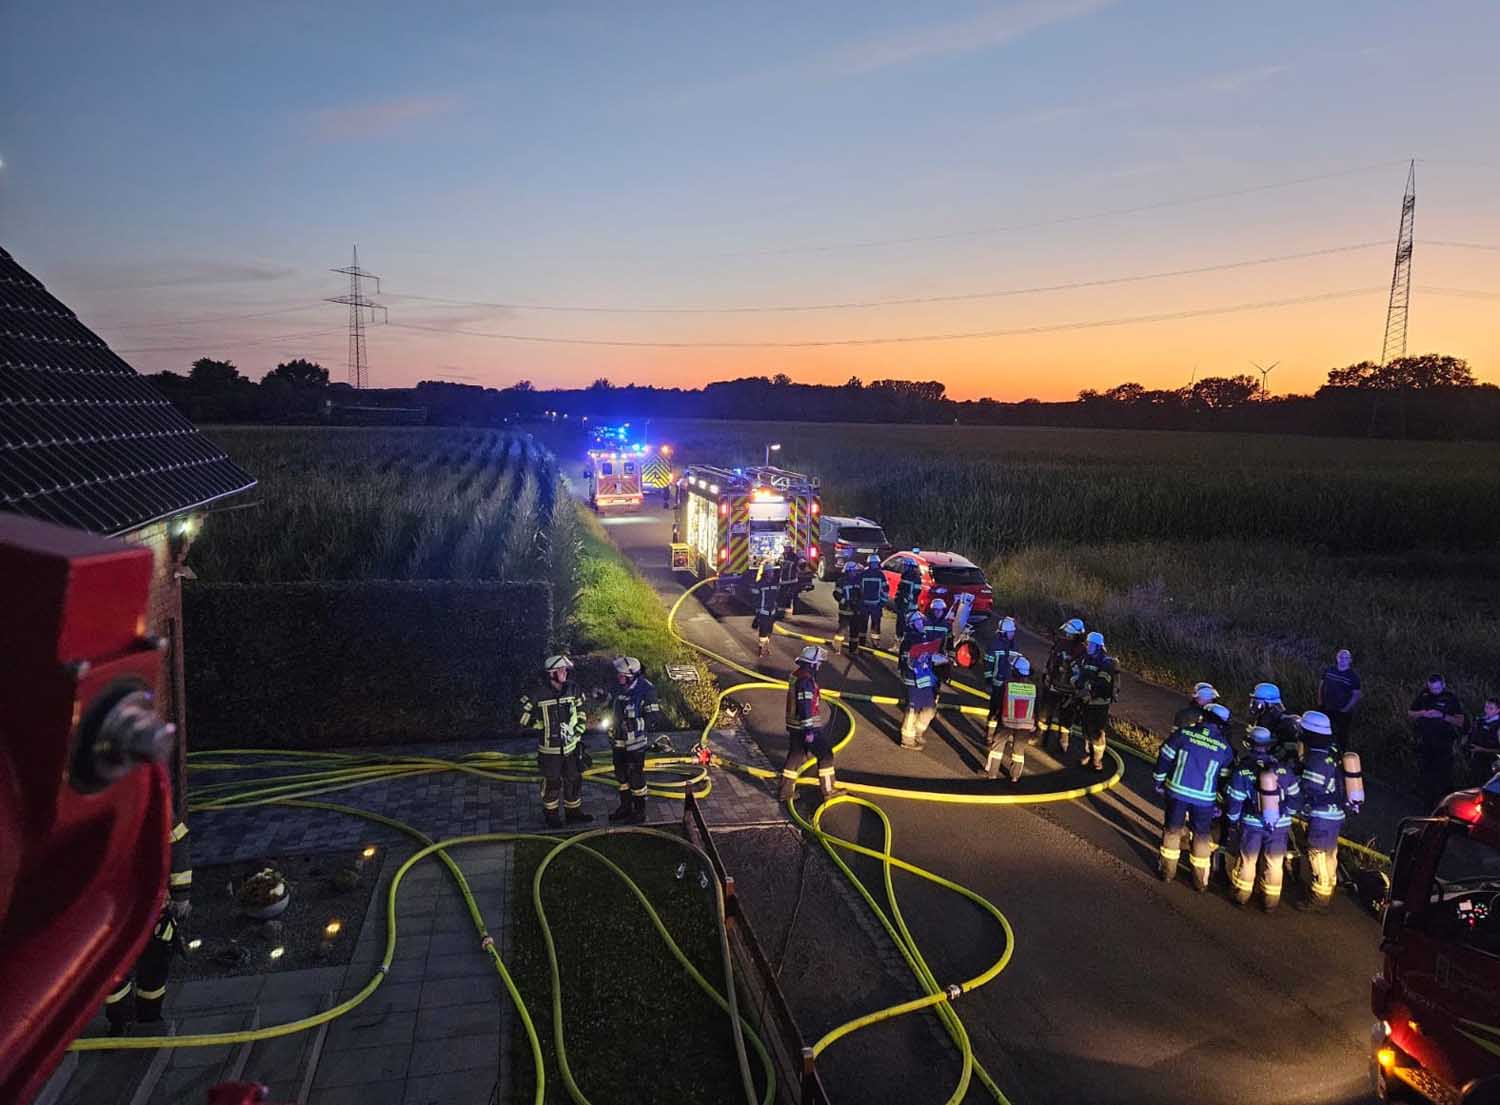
x=1467 y=809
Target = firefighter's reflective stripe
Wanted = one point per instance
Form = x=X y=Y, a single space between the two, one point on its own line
x=179 y=831
x=151 y=995
x=121 y=994
x=180 y=878
x=1200 y=862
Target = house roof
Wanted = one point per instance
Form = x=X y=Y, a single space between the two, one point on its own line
x=85 y=440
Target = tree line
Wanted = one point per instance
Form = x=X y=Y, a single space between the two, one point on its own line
x=1424 y=396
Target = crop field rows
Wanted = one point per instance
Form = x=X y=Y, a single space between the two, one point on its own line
x=349 y=504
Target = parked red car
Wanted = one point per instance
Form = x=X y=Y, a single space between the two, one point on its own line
x=944 y=574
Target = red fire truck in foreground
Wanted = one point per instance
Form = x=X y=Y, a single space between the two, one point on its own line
x=1437 y=996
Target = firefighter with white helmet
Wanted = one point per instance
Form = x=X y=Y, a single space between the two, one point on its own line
x=635 y=709
x=921 y=700
x=555 y=710
x=766 y=594
x=1262 y=795
x=1096 y=681
x=846 y=591
x=1012 y=720
x=1204 y=695
x=939 y=633
x=871 y=602
x=1332 y=787
x=999 y=660
x=1059 y=700
x=806 y=726
x=1191 y=769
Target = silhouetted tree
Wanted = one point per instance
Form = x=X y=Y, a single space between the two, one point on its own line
x=212 y=375
x=1424 y=370
x=300 y=373
x=1219 y=393
x=781 y=380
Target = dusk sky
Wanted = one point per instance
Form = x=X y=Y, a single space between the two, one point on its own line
x=167 y=164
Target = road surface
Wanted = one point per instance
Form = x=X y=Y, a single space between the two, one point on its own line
x=1122 y=989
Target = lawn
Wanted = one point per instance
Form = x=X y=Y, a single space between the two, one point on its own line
x=1232 y=558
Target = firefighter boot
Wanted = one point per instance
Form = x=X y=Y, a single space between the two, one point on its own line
x=577 y=817
x=788 y=786
x=826 y=785
x=993 y=763
x=638 y=814
x=1017 y=760
x=554 y=819
x=621 y=812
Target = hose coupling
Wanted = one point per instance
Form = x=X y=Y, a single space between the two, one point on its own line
x=487 y=943
x=954 y=991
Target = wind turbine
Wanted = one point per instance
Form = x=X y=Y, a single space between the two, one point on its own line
x=1265 y=378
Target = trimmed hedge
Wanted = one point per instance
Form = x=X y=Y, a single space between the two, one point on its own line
x=317 y=665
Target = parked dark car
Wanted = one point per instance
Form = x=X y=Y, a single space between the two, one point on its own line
x=839 y=539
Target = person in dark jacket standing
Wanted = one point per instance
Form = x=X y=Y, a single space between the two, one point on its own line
x=1482 y=745
x=555 y=710
x=872 y=600
x=635 y=709
x=765 y=592
x=147 y=982
x=846 y=591
x=1437 y=720
x=1339 y=692
x=806 y=727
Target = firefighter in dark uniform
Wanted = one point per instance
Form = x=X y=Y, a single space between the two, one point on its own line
x=1096 y=680
x=139 y=995
x=791 y=579
x=908 y=593
x=555 y=711
x=1192 y=770
x=846 y=591
x=999 y=661
x=1268 y=712
x=806 y=727
x=635 y=710
x=872 y=600
x=766 y=594
x=1058 y=699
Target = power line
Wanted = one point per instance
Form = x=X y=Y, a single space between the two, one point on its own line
x=201 y=320
x=905 y=338
x=957 y=297
x=1061 y=220
x=1467 y=293
x=269 y=339
x=1461 y=245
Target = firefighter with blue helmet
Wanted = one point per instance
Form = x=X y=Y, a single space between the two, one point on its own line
x=1260 y=799
x=846 y=592
x=1059 y=700
x=1327 y=797
x=1268 y=711
x=635 y=710
x=807 y=726
x=555 y=710
x=1096 y=682
x=871 y=600
x=1191 y=770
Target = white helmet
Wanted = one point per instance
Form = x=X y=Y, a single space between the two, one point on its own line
x=627 y=665
x=937 y=608
x=1315 y=721
x=557 y=663
x=813 y=655
x=874 y=560
x=1205 y=691
x=1007 y=624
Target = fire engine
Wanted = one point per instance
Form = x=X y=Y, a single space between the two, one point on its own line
x=731 y=521
x=1437 y=996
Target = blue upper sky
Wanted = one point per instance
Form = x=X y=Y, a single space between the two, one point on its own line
x=166 y=163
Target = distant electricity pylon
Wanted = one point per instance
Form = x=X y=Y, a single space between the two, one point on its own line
x=1395 y=315
x=1265 y=378
x=358 y=302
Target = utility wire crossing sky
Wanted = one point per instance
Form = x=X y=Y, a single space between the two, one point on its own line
x=1018 y=199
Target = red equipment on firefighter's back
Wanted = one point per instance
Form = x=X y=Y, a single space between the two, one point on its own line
x=85 y=799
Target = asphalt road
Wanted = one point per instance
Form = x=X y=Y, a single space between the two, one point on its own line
x=1122 y=989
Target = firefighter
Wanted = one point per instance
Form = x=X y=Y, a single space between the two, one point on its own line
x=921 y=701
x=1259 y=802
x=908 y=592
x=807 y=730
x=1482 y=745
x=1203 y=697
x=1191 y=769
x=1437 y=719
x=790 y=578
x=998 y=661
x=138 y=996
x=766 y=593
x=1010 y=750
x=913 y=637
x=1095 y=681
x=872 y=598
x=1267 y=711
x=555 y=711
x=846 y=591
x=1325 y=803
x=1058 y=701
x=635 y=710
x=939 y=634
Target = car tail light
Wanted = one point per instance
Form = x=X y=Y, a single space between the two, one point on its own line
x=986 y=590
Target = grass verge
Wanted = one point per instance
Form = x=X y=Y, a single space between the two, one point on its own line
x=616 y=612
x=637 y=1027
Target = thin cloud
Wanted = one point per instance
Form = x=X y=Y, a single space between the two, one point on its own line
x=377 y=118
x=1244 y=78
x=171 y=273
x=960 y=36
